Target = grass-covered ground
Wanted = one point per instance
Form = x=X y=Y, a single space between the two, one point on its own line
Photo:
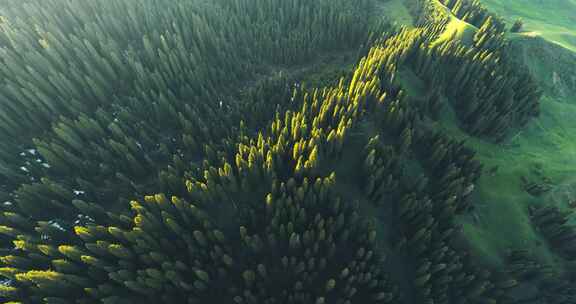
x=552 y=19
x=546 y=148
x=543 y=151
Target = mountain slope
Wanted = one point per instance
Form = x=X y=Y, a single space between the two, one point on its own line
x=552 y=19
x=543 y=153
x=239 y=183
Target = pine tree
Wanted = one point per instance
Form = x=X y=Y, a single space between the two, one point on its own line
x=517 y=26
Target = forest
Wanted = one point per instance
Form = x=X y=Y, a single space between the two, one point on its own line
x=266 y=151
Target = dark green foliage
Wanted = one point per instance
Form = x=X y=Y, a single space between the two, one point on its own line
x=244 y=186
x=473 y=12
x=553 y=224
x=517 y=26
x=144 y=268
x=546 y=285
x=264 y=184
x=490 y=93
x=176 y=53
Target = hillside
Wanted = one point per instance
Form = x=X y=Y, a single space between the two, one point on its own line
x=553 y=20
x=287 y=152
x=541 y=154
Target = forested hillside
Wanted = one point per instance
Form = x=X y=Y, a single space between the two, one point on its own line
x=283 y=151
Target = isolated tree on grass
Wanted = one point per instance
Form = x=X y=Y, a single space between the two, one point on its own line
x=517 y=26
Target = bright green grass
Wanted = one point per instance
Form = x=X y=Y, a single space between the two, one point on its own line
x=547 y=145
x=458 y=29
x=501 y=220
x=554 y=20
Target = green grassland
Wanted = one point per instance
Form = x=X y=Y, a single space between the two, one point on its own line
x=552 y=19
x=456 y=29
x=542 y=152
x=546 y=148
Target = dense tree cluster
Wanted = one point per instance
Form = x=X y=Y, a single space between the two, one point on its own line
x=490 y=94
x=154 y=167
x=474 y=12
x=549 y=285
x=147 y=100
x=553 y=224
x=188 y=248
x=126 y=57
